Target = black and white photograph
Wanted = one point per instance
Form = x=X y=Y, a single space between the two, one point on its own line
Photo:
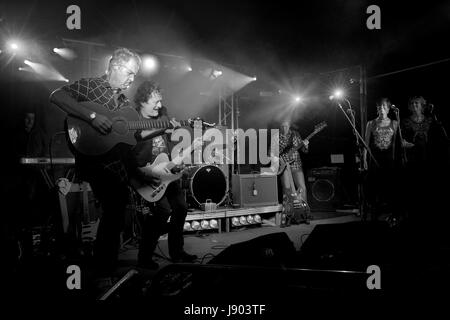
x=224 y=159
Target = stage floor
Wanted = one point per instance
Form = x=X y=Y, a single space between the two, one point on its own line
x=206 y=245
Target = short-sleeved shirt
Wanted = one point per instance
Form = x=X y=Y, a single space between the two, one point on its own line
x=99 y=90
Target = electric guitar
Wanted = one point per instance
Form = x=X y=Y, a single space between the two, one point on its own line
x=89 y=141
x=165 y=170
x=295 y=209
x=317 y=128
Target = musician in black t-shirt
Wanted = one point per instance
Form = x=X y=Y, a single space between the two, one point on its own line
x=154 y=216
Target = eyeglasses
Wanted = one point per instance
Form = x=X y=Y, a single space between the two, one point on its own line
x=130 y=72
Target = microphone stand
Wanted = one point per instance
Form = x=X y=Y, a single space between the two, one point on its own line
x=361 y=146
x=441 y=127
x=397 y=115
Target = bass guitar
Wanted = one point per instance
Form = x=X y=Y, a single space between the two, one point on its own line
x=317 y=128
x=88 y=141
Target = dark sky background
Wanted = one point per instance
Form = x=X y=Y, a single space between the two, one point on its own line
x=286 y=44
x=304 y=35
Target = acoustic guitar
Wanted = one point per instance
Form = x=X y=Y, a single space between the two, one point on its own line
x=89 y=141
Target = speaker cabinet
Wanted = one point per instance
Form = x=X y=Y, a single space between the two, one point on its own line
x=324 y=188
x=267 y=250
x=349 y=245
x=251 y=190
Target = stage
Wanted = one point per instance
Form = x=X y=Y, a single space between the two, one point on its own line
x=207 y=245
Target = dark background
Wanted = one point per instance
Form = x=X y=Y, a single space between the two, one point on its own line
x=293 y=46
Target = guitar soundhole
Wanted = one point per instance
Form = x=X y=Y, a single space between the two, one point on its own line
x=120 y=126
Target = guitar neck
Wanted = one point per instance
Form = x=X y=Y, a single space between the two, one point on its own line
x=153 y=124
x=312 y=134
x=307 y=138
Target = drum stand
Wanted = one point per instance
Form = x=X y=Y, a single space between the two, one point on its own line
x=229 y=198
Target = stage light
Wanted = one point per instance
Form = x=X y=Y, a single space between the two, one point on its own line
x=27 y=62
x=189 y=69
x=338 y=93
x=55 y=50
x=187 y=226
x=215 y=74
x=150 y=64
x=13 y=46
x=257 y=218
x=235 y=221
x=254 y=78
x=250 y=219
x=213 y=224
x=297 y=98
x=205 y=224
x=209 y=72
x=21 y=69
x=243 y=220
x=195 y=225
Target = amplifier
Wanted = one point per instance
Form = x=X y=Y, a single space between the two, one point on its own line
x=251 y=190
x=324 y=188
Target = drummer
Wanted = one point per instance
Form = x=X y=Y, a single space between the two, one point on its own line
x=148 y=100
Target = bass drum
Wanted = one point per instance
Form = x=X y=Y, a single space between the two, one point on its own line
x=206 y=182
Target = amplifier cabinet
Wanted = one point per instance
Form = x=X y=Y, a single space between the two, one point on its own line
x=324 y=188
x=250 y=190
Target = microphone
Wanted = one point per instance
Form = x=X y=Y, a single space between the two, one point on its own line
x=393 y=107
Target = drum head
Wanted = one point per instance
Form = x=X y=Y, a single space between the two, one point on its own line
x=208 y=182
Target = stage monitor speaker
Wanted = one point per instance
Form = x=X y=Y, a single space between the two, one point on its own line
x=251 y=190
x=324 y=188
x=348 y=245
x=269 y=250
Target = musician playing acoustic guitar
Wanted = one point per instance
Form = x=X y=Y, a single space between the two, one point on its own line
x=148 y=100
x=106 y=174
